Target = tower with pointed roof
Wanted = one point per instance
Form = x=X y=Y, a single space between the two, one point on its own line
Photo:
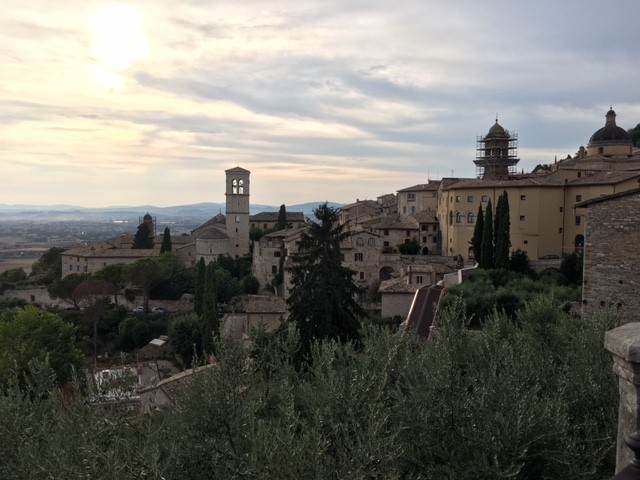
x=496 y=154
x=237 y=210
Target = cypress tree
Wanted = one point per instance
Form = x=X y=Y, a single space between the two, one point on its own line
x=282 y=218
x=476 y=240
x=486 y=249
x=210 y=321
x=323 y=302
x=199 y=287
x=166 y=241
x=502 y=226
x=144 y=236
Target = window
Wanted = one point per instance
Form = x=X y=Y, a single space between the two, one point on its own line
x=485 y=198
x=408 y=233
x=274 y=269
x=470 y=199
x=561 y=209
x=276 y=253
x=358 y=257
x=237 y=218
x=419 y=279
x=458 y=217
x=458 y=198
x=404 y=209
x=450 y=218
x=424 y=239
x=413 y=209
x=560 y=230
x=435 y=228
x=523 y=197
x=578 y=220
x=424 y=228
x=241 y=187
x=342 y=257
x=361 y=275
x=385 y=244
x=371 y=241
x=411 y=197
x=471 y=218
x=522 y=218
x=578 y=198
x=526 y=242
x=386 y=233
x=360 y=241
x=234 y=184
x=579 y=174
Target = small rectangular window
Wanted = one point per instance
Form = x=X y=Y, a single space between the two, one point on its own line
x=522 y=218
x=408 y=233
x=424 y=239
x=561 y=209
x=274 y=269
x=523 y=197
x=411 y=197
x=419 y=279
x=578 y=220
x=470 y=199
x=358 y=257
x=560 y=230
x=526 y=242
x=578 y=198
x=485 y=198
x=361 y=275
x=276 y=253
x=458 y=198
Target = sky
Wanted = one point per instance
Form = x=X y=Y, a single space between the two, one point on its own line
x=148 y=102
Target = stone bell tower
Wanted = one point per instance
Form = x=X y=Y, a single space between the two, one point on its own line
x=237 y=213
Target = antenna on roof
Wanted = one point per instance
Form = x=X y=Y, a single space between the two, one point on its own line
x=496 y=117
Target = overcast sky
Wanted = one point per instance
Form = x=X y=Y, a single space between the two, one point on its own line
x=148 y=102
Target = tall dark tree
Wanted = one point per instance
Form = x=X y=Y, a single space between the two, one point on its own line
x=476 y=240
x=166 y=241
x=502 y=239
x=144 y=236
x=146 y=273
x=209 y=317
x=486 y=249
x=323 y=302
x=282 y=218
x=199 y=286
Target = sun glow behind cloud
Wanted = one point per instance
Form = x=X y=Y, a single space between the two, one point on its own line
x=118 y=42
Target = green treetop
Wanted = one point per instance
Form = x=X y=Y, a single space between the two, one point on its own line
x=486 y=250
x=323 y=302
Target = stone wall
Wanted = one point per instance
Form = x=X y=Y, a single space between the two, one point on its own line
x=611 y=257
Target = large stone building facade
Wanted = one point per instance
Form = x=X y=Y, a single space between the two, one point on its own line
x=611 y=260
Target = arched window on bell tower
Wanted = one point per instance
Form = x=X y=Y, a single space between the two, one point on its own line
x=234 y=185
x=241 y=186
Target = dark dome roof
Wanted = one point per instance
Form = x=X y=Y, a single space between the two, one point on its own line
x=147 y=217
x=497 y=131
x=611 y=133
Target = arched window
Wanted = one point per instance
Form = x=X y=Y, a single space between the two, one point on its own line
x=234 y=184
x=458 y=217
x=371 y=241
x=471 y=218
x=240 y=187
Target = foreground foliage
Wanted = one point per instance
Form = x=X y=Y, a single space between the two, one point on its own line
x=527 y=399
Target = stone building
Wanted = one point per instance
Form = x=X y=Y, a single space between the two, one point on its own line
x=544 y=217
x=611 y=261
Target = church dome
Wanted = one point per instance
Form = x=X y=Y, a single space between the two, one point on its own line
x=610 y=133
x=497 y=131
x=147 y=217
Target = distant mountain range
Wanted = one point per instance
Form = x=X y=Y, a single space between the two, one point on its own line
x=185 y=213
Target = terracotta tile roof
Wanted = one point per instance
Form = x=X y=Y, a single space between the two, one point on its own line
x=397 y=285
x=212 y=233
x=273 y=217
x=432 y=185
x=262 y=304
x=177 y=386
x=425 y=217
x=600 y=178
x=605 y=198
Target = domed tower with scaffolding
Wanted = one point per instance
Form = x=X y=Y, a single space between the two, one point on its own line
x=496 y=154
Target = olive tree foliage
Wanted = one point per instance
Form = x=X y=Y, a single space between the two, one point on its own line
x=323 y=302
x=518 y=400
x=27 y=334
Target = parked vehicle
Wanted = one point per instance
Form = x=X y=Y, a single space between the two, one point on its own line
x=138 y=309
x=159 y=311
